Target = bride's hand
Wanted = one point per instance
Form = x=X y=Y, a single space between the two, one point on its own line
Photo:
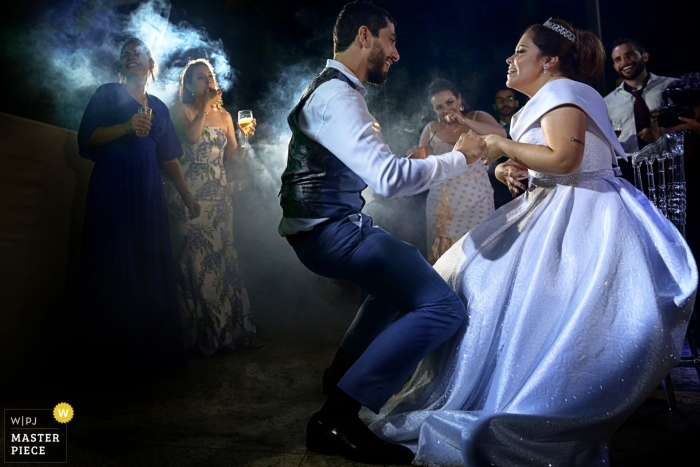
x=473 y=147
x=493 y=145
x=511 y=173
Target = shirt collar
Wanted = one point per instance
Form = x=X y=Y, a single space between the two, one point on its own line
x=330 y=63
x=651 y=78
x=629 y=89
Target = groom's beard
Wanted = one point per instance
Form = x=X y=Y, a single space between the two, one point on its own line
x=375 y=66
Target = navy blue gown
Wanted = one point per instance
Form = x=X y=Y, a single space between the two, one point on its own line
x=128 y=277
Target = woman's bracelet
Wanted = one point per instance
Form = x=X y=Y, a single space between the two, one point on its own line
x=187 y=193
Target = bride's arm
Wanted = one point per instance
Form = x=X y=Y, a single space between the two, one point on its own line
x=564 y=133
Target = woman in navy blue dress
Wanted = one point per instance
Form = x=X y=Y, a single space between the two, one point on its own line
x=128 y=279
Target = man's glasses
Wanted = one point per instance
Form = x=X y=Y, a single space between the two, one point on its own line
x=501 y=100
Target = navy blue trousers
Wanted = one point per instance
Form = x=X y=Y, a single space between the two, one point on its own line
x=400 y=283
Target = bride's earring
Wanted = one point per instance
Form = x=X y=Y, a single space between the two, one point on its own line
x=545 y=69
x=461 y=108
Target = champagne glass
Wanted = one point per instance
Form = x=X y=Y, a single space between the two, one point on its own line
x=245 y=123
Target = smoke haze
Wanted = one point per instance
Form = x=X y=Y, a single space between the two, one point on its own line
x=272 y=49
x=73 y=48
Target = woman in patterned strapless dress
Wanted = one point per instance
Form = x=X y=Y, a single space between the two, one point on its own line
x=461 y=203
x=212 y=294
x=578 y=292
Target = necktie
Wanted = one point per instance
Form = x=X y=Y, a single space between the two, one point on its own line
x=642 y=115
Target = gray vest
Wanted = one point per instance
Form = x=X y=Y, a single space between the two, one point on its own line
x=316 y=184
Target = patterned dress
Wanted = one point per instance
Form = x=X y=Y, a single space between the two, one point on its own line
x=457 y=205
x=212 y=295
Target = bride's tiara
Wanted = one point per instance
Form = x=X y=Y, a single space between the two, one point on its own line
x=560 y=29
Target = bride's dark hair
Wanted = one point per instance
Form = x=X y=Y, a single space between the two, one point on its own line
x=581 y=61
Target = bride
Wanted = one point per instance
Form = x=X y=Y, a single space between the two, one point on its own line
x=578 y=292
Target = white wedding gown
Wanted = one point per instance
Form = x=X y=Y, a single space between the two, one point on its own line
x=578 y=295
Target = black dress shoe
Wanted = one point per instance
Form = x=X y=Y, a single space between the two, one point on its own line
x=352 y=439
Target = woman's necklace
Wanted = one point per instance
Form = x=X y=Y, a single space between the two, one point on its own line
x=452 y=131
x=456 y=128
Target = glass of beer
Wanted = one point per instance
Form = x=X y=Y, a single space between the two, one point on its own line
x=145 y=111
x=617 y=127
x=245 y=123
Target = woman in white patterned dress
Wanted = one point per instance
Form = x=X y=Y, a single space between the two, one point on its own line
x=460 y=203
x=578 y=292
x=212 y=295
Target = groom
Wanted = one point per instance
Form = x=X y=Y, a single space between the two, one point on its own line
x=336 y=150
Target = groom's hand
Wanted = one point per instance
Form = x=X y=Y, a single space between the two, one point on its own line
x=472 y=146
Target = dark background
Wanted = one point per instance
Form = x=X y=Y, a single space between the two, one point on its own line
x=466 y=41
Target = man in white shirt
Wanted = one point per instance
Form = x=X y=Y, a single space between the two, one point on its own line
x=630 y=104
x=336 y=150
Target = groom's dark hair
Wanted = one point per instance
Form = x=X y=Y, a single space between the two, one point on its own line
x=352 y=17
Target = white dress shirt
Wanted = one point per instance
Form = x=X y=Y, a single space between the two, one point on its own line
x=336 y=116
x=621 y=108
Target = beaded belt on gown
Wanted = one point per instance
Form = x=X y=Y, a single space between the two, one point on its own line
x=572 y=179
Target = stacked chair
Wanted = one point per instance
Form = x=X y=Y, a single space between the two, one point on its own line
x=659 y=173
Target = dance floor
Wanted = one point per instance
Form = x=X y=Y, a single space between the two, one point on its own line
x=249 y=409
x=242 y=409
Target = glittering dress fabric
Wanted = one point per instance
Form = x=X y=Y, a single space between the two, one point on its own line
x=212 y=295
x=457 y=205
x=578 y=295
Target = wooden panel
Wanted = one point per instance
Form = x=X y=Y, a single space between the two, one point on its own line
x=43 y=182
